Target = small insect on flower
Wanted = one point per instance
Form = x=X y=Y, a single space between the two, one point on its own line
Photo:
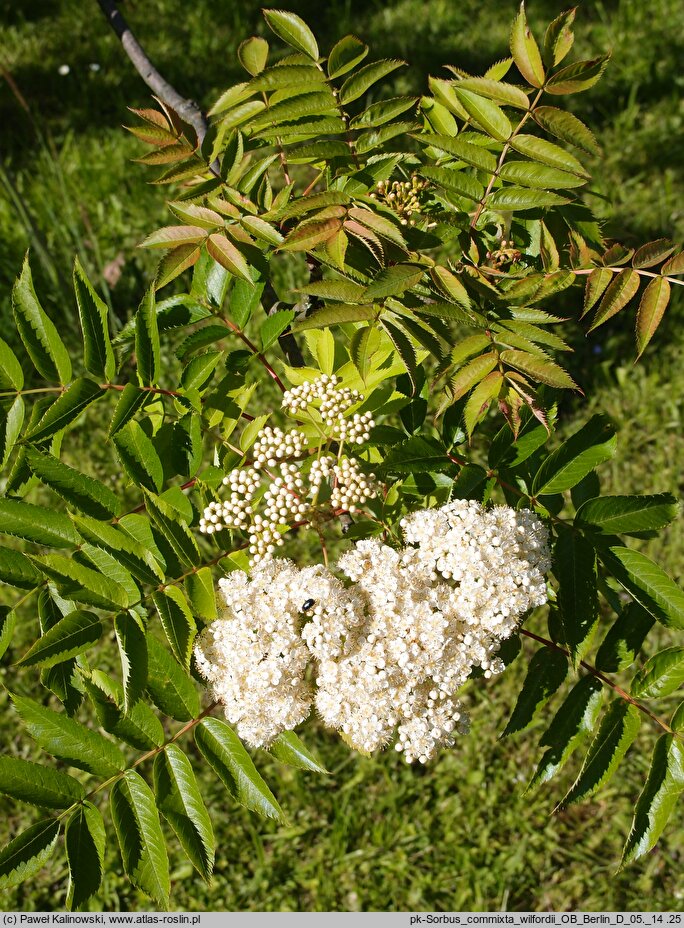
x=308 y=605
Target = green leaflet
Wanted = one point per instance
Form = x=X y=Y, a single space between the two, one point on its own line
x=335 y=315
x=11 y=372
x=66 y=409
x=180 y=801
x=293 y=30
x=142 y=843
x=345 y=55
x=177 y=621
x=8 y=621
x=139 y=456
x=574 y=565
x=59 y=735
x=85 y=585
x=84 y=842
x=289 y=749
x=253 y=54
x=98 y=355
x=416 y=455
x=557 y=159
x=617 y=731
x=566 y=127
x=225 y=753
x=85 y=493
x=520 y=198
x=38 y=333
x=539 y=176
x=28 y=853
x=11 y=422
x=37 y=524
x=657 y=800
x=133 y=555
x=131 y=400
x=647 y=583
x=485 y=112
x=199 y=587
x=38 y=785
x=71 y=635
x=147 y=340
x=525 y=51
x=274 y=326
x=130 y=636
x=572 y=724
x=171 y=688
x=355 y=86
x=465 y=151
x=624 y=639
x=393 y=281
x=595 y=443
x=661 y=675
x=546 y=672
x=652 y=306
x=628 y=515
x=140 y=727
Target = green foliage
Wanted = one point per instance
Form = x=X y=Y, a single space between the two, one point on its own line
x=422 y=242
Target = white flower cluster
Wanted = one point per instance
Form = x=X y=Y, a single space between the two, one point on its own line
x=392 y=647
x=292 y=496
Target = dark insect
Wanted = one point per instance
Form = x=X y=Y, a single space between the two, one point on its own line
x=309 y=604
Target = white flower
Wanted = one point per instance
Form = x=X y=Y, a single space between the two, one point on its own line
x=63 y=70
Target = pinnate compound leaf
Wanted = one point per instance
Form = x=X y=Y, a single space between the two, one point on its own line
x=657 y=800
x=28 y=853
x=66 y=409
x=38 y=785
x=172 y=690
x=624 y=639
x=574 y=565
x=628 y=515
x=651 y=309
x=293 y=30
x=36 y=523
x=647 y=583
x=84 y=841
x=130 y=636
x=61 y=736
x=566 y=127
x=142 y=843
x=525 y=51
x=72 y=635
x=226 y=755
x=98 y=355
x=147 y=340
x=661 y=675
x=617 y=731
x=572 y=724
x=38 y=333
x=179 y=799
x=617 y=296
x=177 y=621
x=595 y=443
x=546 y=672
x=139 y=456
x=85 y=493
x=289 y=749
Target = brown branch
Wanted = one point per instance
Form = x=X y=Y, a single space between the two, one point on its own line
x=187 y=109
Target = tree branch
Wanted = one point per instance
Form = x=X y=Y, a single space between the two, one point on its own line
x=188 y=110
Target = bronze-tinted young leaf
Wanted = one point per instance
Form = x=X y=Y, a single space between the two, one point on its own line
x=542 y=369
x=596 y=285
x=617 y=296
x=652 y=306
x=559 y=38
x=470 y=375
x=525 y=50
x=675 y=265
x=175 y=262
x=653 y=253
x=224 y=251
x=578 y=76
x=310 y=234
x=480 y=400
x=170 y=236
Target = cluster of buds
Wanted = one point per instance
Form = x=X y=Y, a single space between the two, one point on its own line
x=506 y=253
x=402 y=196
x=292 y=495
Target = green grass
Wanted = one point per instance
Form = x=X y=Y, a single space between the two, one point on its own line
x=375 y=834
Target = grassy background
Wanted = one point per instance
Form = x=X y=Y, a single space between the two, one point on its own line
x=375 y=834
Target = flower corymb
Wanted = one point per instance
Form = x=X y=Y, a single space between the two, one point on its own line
x=391 y=646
